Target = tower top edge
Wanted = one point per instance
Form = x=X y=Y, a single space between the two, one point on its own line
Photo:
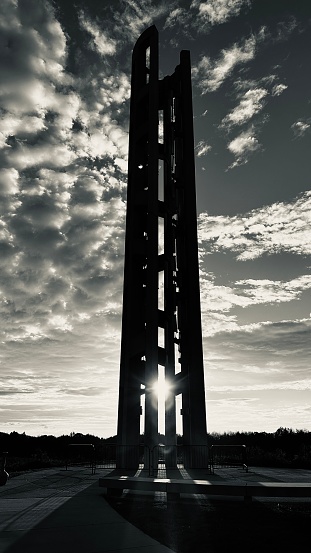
x=151 y=33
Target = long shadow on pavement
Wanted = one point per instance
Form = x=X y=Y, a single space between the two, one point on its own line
x=218 y=525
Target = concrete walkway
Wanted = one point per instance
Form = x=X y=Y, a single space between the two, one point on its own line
x=65 y=511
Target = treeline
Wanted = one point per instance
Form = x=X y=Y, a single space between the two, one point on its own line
x=284 y=448
x=32 y=452
x=16 y=443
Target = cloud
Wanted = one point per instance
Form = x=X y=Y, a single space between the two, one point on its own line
x=267 y=291
x=47 y=109
x=265 y=364
x=63 y=153
x=262 y=356
x=64 y=253
x=286 y=342
x=280 y=227
x=89 y=353
x=288 y=385
x=300 y=128
x=243 y=146
x=209 y=74
x=285 y=27
x=202 y=16
x=37 y=106
x=252 y=98
x=8 y=182
x=137 y=15
x=218 y=300
x=250 y=104
x=202 y=148
x=214 y=322
x=32 y=45
x=278 y=89
x=215 y=12
x=178 y=17
x=101 y=42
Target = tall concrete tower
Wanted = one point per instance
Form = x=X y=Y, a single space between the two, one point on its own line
x=161 y=324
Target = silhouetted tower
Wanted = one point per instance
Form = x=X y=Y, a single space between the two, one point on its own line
x=161 y=322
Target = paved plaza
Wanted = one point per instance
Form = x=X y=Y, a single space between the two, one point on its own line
x=66 y=511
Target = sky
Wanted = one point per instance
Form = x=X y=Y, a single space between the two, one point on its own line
x=64 y=96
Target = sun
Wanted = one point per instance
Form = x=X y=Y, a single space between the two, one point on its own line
x=161 y=387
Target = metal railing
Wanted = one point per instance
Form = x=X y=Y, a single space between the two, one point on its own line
x=111 y=456
x=153 y=460
x=81 y=455
x=158 y=459
x=228 y=456
x=165 y=456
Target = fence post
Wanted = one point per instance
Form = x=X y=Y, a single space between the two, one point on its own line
x=3 y=473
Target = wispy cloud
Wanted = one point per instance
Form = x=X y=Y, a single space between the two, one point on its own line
x=285 y=368
x=244 y=145
x=301 y=127
x=252 y=97
x=278 y=89
x=178 y=17
x=101 y=42
x=280 y=227
x=250 y=104
x=211 y=74
x=271 y=291
x=264 y=363
x=136 y=15
x=217 y=301
x=289 y=385
x=202 y=148
x=214 y=12
x=201 y=16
